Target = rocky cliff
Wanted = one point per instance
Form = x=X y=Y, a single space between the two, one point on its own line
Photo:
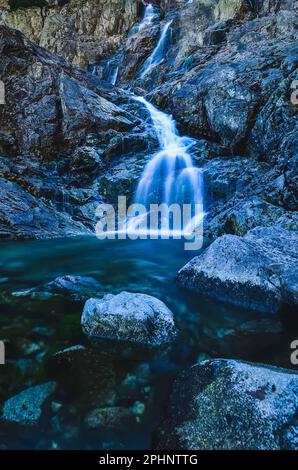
x=82 y=31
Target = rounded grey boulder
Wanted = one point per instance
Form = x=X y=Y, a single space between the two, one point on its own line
x=232 y=405
x=129 y=317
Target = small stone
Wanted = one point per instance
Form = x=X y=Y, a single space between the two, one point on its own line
x=115 y=417
x=138 y=408
x=26 y=408
x=203 y=357
x=56 y=407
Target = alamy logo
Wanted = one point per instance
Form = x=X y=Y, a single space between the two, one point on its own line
x=294 y=95
x=294 y=355
x=2 y=92
x=2 y=353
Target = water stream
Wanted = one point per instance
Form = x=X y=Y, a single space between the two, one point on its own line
x=148 y=18
x=170 y=177
x=159 y=52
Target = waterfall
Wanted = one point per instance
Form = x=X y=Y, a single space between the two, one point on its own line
x=93 y=69
x=148 y=18
x=158 y=54
x=169 y=177
x=111 y=71
x=113 y=77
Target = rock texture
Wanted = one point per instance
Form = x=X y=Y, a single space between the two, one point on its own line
x=80 y=31
x=230 y=405
x=133 y=318
x=55 y=131
x=245 y=271
x=26 y=408
x=85 y=373
x=77 y=288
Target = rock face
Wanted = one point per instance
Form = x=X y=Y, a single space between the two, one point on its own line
x=26 y=408
x=246 y=271
x=55 y=131
x=133 y=318
x=230 y=405
x=81 y=31
x=24 y=216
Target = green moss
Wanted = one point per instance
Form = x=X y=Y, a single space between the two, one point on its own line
x=15 y=4
x=70 y=327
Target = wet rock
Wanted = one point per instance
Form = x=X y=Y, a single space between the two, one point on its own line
x=86 y=373
x=244 y=215
x=289 y=285
x=250 y=268
x=122 y=176
x=81 y=31
x=24 y=216
x=85 y=111
x=134 y=318
x=231 y=405
x=27 y=347
x=26 y=408
x=254 y=339
x=223 y=177
x=116 y=417
x=77 y=288
x=138 y=408
x=276 y=124
x=85 y=163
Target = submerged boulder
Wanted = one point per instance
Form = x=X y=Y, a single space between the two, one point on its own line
x=86 y=373
x=230 y=405
x=26 y=408
x=251 y=340
x=78 y=288
x=133 y=318
x=114 y=417
x=245 y=271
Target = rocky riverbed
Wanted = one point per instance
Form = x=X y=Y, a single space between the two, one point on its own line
x=96 y=332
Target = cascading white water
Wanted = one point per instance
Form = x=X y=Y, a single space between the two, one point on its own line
x=159 y=52
x=170 y=176
x=114 y=76
x=148 y=18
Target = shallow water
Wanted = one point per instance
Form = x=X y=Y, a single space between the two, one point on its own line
x=136 y=266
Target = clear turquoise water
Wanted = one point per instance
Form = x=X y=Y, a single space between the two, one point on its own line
x=136 y=266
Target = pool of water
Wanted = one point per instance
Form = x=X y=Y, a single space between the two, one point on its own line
x=136 y=266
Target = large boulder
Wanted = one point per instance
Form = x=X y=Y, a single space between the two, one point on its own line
x=245 y=271
x=133 y=318
x=231 y=405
